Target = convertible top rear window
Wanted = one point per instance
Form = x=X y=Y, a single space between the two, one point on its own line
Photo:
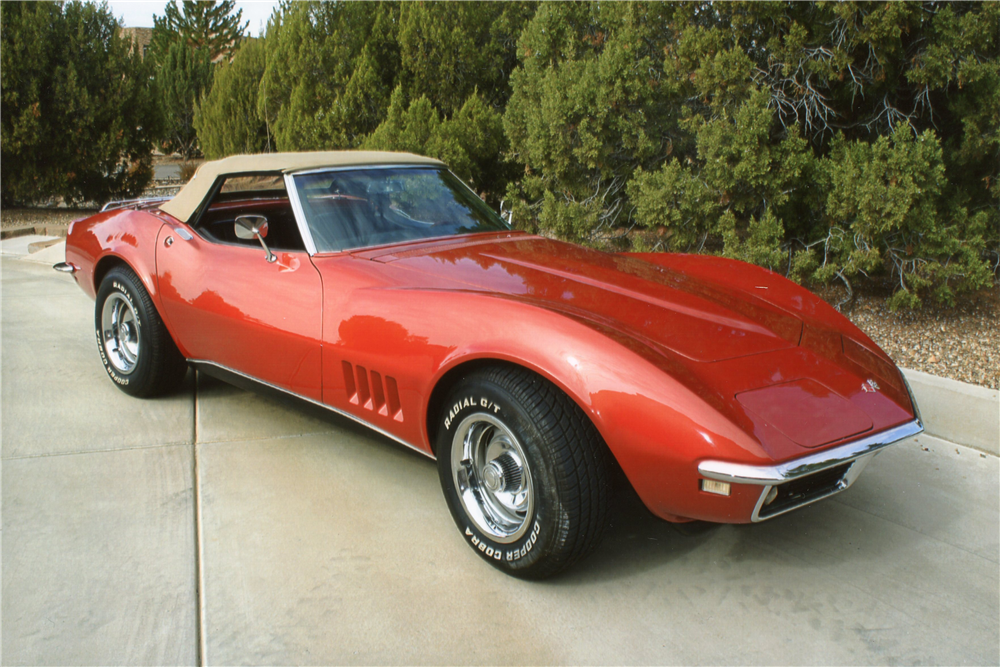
x=253 y=182
x=359 y=208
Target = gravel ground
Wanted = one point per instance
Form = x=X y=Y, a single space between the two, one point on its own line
x=961 y=343
x=24 y=217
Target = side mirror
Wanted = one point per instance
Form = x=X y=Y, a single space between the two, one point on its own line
x=508 y=215
x=249 y=227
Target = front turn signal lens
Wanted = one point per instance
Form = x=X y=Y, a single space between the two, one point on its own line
x=711 y=486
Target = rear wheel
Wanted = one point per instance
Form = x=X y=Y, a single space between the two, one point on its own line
x=136 y=349
x=526 y=475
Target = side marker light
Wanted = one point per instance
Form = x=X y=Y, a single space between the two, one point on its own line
x=712 y=486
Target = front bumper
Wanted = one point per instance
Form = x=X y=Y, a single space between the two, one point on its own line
x=808 y=479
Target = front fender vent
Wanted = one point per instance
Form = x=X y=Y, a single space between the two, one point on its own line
x=372 y=391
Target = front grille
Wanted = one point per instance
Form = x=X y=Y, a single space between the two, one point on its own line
x=806 y=489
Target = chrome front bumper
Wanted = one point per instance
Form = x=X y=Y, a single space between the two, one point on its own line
x=852 y=457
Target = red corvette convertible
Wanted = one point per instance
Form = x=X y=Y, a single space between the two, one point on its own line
x=539 y=374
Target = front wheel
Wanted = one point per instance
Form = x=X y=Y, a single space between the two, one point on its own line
x=526 y=475
x=136 y=349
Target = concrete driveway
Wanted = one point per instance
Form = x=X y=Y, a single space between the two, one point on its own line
x=222 y=527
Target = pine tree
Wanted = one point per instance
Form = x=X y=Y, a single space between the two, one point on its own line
x=205 y=25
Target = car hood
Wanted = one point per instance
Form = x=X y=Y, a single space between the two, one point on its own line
x=668 y=310
x=766 y=354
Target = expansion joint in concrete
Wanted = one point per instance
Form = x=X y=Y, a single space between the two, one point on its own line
x=198 y=537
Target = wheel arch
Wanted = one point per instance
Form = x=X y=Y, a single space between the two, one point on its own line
x=444 y=384
x=111 y=260
x=653 y=435
x=464 y=367
x=104 y=266
x=154 y=365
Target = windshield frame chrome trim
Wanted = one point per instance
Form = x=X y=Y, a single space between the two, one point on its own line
x=299 y=213
x=356 y=167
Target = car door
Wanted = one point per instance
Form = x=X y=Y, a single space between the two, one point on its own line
x=228 y=305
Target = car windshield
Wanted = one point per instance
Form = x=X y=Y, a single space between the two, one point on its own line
x=358 y=208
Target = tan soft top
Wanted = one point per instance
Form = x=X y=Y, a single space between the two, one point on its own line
x=187 y=201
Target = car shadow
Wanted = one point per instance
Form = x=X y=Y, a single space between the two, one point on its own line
x=637 y=543
x=635 y=539
x=211 y=385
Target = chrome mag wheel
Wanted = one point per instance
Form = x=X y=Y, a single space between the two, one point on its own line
x=492 y=477
x=120 y=333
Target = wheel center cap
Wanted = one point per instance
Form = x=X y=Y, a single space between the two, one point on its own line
x=493 y=477
x=126 y=331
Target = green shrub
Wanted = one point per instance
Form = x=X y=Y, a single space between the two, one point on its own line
x=826 y=141
x=330 y=70
x=778 y=133
x=738 y=188
x=589 y=106
x=451 y=50
x=888 y=213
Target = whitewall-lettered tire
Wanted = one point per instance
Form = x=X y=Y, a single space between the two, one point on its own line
x=135 y=347
x=527 y=477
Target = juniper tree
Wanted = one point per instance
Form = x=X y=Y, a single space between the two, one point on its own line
x=331 y=69
x=181 y=78
x=468 y=142
x=450 y=49
x=78 y=113
x=227 y=118
x=727 y=127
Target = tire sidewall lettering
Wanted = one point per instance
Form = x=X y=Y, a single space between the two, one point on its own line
x=503 y=553
x=159 y=366
x=518 y=554
x=473 y=402
x=124 y=291
x=507 y=399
